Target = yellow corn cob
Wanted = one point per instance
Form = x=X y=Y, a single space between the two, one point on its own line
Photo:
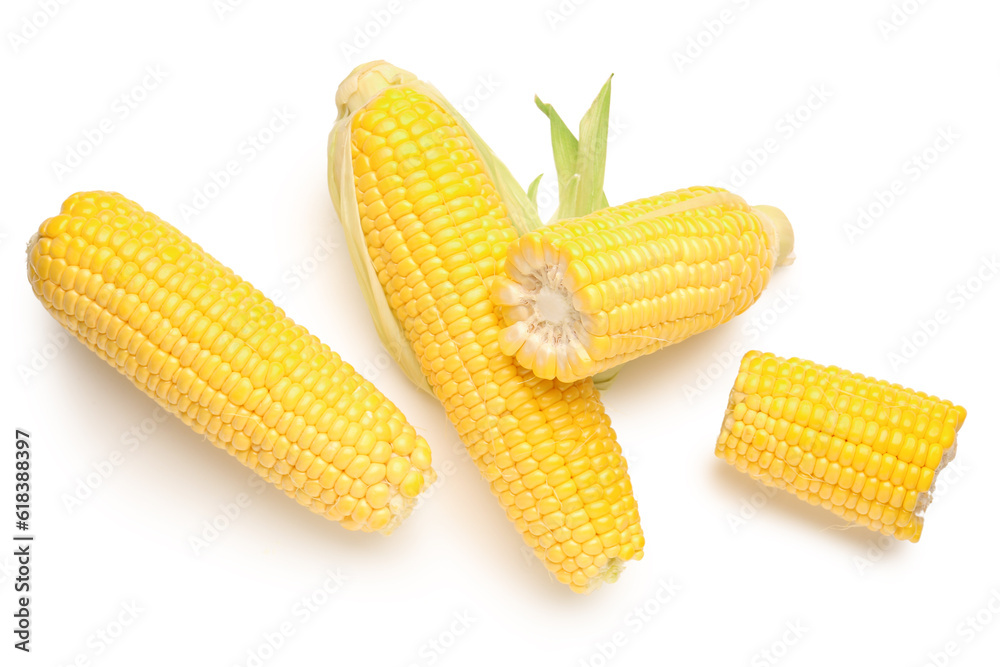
x=586 y=294
x=214 y=351
x=865 y=449
x=436 y=232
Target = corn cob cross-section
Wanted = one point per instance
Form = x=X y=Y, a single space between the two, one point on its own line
x=406 y=178
x=865 y=449
x=214 y=351
x=586 y=294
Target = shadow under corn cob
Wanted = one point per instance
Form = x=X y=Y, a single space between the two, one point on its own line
x=417 y=198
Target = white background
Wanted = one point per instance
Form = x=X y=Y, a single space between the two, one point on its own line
x=741 y=582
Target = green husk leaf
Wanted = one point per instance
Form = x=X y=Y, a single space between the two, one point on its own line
x=572 y=188
x=533 y=191
x=604 y=379
x=585 y=157
x=564 y=151
x=592 y=153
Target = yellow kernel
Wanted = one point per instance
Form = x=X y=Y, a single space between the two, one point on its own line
x=377 y=495
x=412 y=484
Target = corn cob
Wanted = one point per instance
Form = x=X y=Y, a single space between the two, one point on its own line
x=211 y=349
x=865 y=449
x=413 y=188
x=586 y=294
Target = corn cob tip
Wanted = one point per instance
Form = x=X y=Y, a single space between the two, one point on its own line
x=780 y=229
x=365 y=82
x=608 y=575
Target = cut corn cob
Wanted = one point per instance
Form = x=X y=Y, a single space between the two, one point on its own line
x=584 y=295
x=417 y=197
x=865 y=449
x=214 y=351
